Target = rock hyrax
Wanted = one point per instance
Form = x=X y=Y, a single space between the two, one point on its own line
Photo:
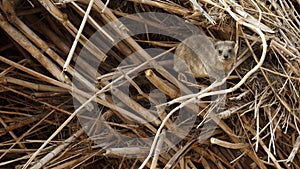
x=203 y=58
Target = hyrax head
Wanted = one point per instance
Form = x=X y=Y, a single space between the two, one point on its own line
x=225 y=51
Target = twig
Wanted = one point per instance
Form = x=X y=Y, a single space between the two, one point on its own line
x=226 y=144
x=70 y=55
x=57 y=150
x=198 y=7
x=158 y=149
x=294 y=151
x=107 y=2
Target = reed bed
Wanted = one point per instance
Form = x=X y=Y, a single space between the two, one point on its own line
x=42 y=77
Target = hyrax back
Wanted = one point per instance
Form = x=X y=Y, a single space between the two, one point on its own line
x=199 y=56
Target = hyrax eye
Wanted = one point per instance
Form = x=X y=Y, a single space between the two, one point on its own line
x=230 y=51
x=220 y=52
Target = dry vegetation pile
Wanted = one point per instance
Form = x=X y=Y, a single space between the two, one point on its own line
x=40 y=126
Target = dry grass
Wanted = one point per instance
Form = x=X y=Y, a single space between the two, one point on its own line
x=259 y=127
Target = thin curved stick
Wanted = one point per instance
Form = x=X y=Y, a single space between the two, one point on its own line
x=72 y=50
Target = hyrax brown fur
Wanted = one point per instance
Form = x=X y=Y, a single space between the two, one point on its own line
x=203 y=58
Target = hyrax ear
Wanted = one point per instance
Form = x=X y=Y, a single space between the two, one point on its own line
x=216 y=44
x=234 y=46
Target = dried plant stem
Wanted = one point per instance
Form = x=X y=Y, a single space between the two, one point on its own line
x=265 y=148
x=57 y=150
x=33 y=127
x=164 y=86
x=227 y=144
x=197 y=6
x=294 y=151
x=158 y=150
x=55 y=12
x=35 y=52
x=70 y=55
x=37 y=87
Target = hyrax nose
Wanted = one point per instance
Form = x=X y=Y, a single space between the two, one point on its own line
x=225 y=56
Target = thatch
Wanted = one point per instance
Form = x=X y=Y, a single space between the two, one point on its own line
x=40 y=114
